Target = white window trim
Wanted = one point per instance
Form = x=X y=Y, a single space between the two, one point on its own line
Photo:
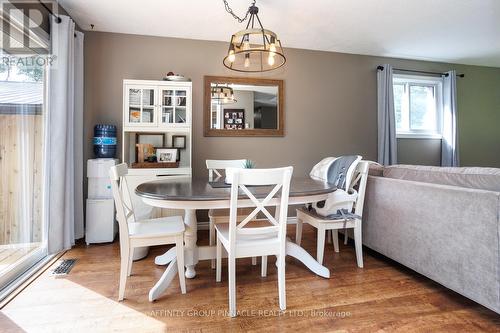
x=435 y=81
x=402 y=135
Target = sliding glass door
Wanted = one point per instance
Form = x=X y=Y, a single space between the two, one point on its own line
x=22 y=110
x=23 y=240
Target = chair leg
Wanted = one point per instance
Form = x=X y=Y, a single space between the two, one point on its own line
x=218 y=257
x=254 y=261
x=263 y=268
x=179 y=245
x=329 y=237
x=358 y=244
x=346 y=236
x=232 y=285
x=130 y=262
x=321 y=245
x=281 y=282
x=335 y=237
x=298 y=231
x=211 y=236
x=125 y=258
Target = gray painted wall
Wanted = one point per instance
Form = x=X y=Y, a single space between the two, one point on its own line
x=337 y=117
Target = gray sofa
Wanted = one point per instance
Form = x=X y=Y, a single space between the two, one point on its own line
x=440 y=222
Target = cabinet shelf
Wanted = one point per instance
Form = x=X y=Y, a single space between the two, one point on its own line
x=136 y=106
x=182 y=127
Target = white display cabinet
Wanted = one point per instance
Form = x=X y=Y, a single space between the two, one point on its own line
x=153 y=107
x=157 y=107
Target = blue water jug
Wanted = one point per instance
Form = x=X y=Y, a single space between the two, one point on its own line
x=104 y=141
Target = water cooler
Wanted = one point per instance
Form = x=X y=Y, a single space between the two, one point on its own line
x=101 y=226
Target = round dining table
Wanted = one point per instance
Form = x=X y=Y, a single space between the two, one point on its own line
x=192 y=194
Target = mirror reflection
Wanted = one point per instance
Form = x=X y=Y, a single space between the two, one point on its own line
x=243 y=106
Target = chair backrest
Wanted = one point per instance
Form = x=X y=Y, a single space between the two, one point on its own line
x=214 y=166
x=121 y=193
x=359 y=179
x=277 y=179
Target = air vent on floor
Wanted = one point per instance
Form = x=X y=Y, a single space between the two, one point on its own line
x=64 y=267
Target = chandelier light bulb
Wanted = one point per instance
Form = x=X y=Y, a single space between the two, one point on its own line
x=270 y=59
x=272 y=46
x=247 y=60
x=231 y=56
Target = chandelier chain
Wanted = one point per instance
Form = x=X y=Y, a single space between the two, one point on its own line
x=236 y=17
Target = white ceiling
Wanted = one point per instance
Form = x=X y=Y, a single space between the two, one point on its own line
x=458 y=31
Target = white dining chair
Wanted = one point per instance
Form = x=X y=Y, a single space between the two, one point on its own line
x=322 y=224
x=151 y=232
x=240 y=240
x=215 y=168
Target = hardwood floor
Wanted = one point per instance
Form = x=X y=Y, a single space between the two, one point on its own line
x=383 y=296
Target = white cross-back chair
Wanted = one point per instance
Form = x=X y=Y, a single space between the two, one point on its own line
x=215 y=168
x=323 y=224
x=241 y=240
x=134 y=234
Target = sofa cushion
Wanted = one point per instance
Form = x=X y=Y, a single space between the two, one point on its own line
x=470 y=177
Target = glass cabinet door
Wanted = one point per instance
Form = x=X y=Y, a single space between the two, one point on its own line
x=180 y=106
x=167 y=106
x=173 y=106
x=141 y=104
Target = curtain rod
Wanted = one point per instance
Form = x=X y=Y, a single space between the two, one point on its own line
x=58 y=19
x=381 y=68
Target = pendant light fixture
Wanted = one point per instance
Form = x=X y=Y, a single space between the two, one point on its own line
x=223 y=94
x=253 y=49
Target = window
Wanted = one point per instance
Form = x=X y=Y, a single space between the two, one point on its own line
x=418 y=106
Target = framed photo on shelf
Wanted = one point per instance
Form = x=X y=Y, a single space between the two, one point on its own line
x=179 y=141
x=167 y=155
x=154 y=139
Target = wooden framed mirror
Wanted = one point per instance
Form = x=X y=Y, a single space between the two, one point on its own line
x=243 y=107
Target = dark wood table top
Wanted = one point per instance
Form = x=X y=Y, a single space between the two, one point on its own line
x=199 y=189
